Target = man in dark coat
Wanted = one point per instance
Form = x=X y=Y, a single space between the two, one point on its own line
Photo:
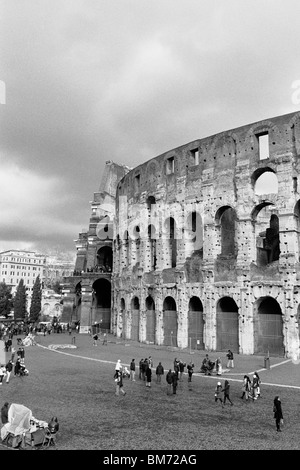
x=169 y=380
x=148 y=376
x=159 y=372
x=174 y=381
x=277 y=413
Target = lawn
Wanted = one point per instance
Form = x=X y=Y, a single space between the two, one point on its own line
x=81 y=393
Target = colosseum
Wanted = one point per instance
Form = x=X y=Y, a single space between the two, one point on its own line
x=203 y=243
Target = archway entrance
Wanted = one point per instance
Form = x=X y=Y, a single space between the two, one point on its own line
x=170 y=322
x=135 y=319
x=150 y=320
x=268 y=327
x=102 y=303
x=227 y=325
x=195 y=323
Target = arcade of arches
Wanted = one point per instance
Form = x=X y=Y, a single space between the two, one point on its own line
x=147 y=324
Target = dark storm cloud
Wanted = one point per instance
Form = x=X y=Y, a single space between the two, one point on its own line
x=89 y=81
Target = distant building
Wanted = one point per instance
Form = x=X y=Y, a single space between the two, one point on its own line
x=20 y=264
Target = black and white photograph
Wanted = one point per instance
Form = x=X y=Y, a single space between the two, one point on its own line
x=149 y=229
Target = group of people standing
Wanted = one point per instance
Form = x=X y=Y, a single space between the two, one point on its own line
x=251 y=389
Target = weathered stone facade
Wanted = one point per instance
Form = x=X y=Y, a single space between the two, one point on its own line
x=203 y=257
x=87 y=293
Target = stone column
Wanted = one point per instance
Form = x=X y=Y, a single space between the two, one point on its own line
x=86 y=306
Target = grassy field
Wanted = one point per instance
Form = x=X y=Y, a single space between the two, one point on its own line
x=77 y=386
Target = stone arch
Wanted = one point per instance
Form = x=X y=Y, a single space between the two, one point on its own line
x=266 y=229
x=170 y=321
x=193 y=233
x=105 y=259
x=101 y=304
x=152 y=236
x=264 y=181
x=195 y=323
x=268 y=327
x=150 y=320
x=227 y=325
x=225 y=219
x=135 y=319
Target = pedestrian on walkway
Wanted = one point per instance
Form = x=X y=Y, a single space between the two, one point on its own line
x=159 y=372
x=246 y=387
x=148 y=374
x=230 y=363
x=2 y=373
x=169 y=382
x=218 y=391
x=104 y=342
x=132 y=370
x=190 y=369
x=13 y=353
x=226 y=392
x=119 y=383
x=219 y=366
x=9 y=368
x=277 y=410
x=176 y=367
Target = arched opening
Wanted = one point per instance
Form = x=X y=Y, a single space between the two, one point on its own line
x=268 y=327
x=101 y=305
x=150 y=203
x=267 y=233
x=193 y=234
x=264 y=181
x=76 y=314
x=104 y=259
x=123 y=318
x=195 y=323
x=297 y=228
x=225 y=221
x=170 y=322
x=150 y=320
x=227 y=325
x=135 y=319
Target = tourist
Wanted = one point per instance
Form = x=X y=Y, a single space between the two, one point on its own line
x=159 y=372
x=226 y=392
x=190 y=369
x=9 y=367
x=230 y=363
x=246 y=387
x=2 y=373
x=132 y=370
x=181 y=369
x=256 y=385
x=218 y=391
x=277 y=410
x=148 y=374
x=218 y=365
x=119 y=383
x=174 y=381
x=95 y=339
x=118 y=365
x=141 y=368
x=169 y=381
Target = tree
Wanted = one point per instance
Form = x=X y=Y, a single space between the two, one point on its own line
x=20 y=302
x=6 y=302
x=56 y=286
x=36 y=301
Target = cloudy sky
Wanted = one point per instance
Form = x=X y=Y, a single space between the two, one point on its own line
x=125 y=80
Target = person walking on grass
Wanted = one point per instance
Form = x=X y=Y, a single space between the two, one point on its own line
x=141 y=368
x=277 y=410
x=119 y=383
x=256 y=385
x=190 y=369
x=95 y=339
x=174 y=381
x=132 y=370
x=226 y=392
x=159 y=372
x=246 y=387
x=148 y=374
x=9 y=368
x=218 y=391
x=169 y=381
